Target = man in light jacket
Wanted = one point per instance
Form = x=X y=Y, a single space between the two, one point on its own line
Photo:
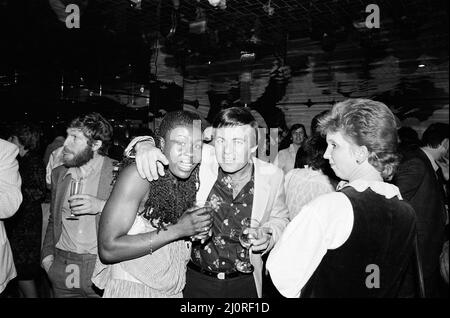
x=10 y=200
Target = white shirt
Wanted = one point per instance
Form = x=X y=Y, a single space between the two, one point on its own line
x=285 y=158
x=323 y=224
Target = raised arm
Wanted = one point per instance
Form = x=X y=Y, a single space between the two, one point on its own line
x=114 y=242
x=149 y=159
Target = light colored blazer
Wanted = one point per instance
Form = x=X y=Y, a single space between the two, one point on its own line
x=10 y=200
x=269 y=205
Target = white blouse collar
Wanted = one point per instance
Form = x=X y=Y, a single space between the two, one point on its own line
x=386 y=189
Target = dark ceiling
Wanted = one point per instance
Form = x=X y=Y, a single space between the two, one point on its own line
x=116 y=39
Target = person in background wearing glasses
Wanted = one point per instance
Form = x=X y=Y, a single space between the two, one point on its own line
x=239 y=186
x=70 y=246
x=285 y=158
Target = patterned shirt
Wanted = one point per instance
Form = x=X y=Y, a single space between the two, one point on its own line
x=222 y=250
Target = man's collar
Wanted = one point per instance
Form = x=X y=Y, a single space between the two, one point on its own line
x=430 y=157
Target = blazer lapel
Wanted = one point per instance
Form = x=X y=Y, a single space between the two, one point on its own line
x=261 y=191
x=61 y=188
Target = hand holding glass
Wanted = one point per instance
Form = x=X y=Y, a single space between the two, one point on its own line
x=208 y=208
x=76 y=187
x=249 y=233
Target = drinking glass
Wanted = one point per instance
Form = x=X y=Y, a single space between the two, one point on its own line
x=76 y=187
x=249 y=233
x=209 y=208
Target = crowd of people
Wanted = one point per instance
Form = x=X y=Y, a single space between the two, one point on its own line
x=357 y=208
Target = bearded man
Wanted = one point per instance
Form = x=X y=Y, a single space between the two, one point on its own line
x=70 y=246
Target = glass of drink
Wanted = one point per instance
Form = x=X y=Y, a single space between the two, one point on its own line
x=208 y=209
x=249 y=233
x=76 y=187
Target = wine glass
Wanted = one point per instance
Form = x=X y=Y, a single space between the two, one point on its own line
x=249 y=232
x=208 y=209
x=76 y=187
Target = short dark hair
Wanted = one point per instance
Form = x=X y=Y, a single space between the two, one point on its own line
x=312 y=153
x=95 y=127
x=235 y=116
x=28 y=135
x=367 y=123
x=435 y=134
x=177 y=118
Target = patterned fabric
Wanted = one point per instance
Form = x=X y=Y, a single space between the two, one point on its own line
x=24 y=229
x=222 y=251
x=304 y=185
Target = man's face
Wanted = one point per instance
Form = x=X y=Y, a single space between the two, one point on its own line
x=234 y=146
x=76 y=152
x=340 y=153
x=298 y=136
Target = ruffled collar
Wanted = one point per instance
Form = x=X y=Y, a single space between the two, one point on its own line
x=382 y=188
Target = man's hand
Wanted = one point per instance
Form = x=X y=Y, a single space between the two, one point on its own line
x=149 y=161
x=263 y=241
x=85 y=204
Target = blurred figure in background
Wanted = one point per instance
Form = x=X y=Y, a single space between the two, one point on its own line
x=408 y=139
x=308 y=180
x=285 y=159
x=418 y=178
x=24 y=228
x=59 y=135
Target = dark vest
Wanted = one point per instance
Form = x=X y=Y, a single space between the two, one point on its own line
x=382 y=234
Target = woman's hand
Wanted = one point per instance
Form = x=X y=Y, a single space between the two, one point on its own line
x=194 y=222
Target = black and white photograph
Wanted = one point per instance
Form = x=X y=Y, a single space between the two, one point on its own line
x=224 y=156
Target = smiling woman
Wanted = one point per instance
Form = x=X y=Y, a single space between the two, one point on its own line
x=143 y=226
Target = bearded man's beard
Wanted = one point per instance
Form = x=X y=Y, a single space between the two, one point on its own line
x=80 y=158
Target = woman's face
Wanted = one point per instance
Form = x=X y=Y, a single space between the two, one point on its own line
x=341 y=155
x=183 y=150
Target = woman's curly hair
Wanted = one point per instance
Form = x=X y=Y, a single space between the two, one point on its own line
x=367 y=123
x=169 y=196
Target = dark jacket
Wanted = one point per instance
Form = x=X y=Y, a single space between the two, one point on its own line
x=419 y=185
